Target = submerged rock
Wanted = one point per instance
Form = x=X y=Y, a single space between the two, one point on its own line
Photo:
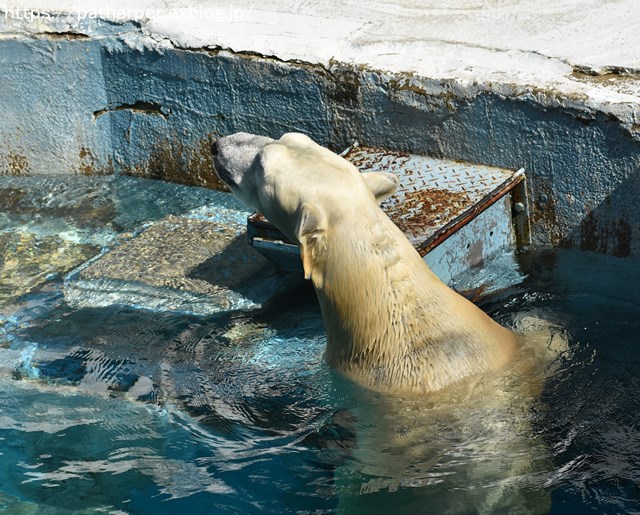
x=180 y=264
x=27 y=260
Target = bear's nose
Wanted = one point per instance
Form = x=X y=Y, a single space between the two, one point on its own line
x=214 y=148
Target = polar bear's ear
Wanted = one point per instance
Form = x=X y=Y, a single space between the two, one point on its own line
x=382 y=184
x=312 y=236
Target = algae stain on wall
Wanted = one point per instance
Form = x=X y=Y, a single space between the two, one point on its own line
x=14 y=164
x=171 y=160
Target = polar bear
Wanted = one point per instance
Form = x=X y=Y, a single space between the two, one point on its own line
x=391 y=324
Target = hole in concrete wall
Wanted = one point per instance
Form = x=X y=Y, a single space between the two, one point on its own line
x=141 y=106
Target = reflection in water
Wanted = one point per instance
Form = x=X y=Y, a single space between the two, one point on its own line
x=472 y=446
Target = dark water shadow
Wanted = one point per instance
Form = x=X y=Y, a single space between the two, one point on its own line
x=240 y=268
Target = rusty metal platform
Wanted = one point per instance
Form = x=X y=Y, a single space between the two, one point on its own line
x=436 y=199
x=435 y=196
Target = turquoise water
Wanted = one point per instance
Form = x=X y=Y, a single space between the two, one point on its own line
x=121 y=410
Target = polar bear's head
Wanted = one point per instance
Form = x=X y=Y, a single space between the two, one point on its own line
x=304 y=189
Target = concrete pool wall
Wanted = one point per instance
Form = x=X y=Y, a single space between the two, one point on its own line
x=102 y=95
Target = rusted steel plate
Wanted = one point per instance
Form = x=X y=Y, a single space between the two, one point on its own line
x=435 y=198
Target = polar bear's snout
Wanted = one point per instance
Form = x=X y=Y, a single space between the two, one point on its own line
x=219 y=167
x=233 y=156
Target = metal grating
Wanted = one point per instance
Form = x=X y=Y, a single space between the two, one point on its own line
x=435 y=196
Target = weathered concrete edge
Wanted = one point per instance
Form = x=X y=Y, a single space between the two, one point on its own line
x=582 y=156
x=544 y=79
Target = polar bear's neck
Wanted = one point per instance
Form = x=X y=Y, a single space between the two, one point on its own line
x=391 y=323
x=376 y=287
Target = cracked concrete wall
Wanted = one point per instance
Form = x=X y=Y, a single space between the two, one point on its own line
x=76 y=105
x=199 y=97
x=49 y=88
